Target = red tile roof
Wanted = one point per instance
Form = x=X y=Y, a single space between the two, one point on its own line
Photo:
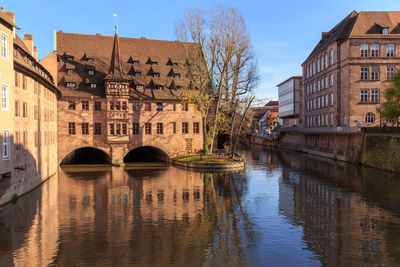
x=272 y=103
x=152 y=56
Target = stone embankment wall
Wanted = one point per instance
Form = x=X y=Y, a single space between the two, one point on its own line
x=381 y=149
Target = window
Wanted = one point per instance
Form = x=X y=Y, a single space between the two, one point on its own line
x=124 y=106
x=322 y=101
x=112 y=130
x=154 y=63
x=71 y=104
x=364 y=95
x=117 y=105
x=6 y=144
x=331 y=99
x=85 y=105
x=70 y=58
x=138 y=74
x=375 y=73
x=160 y=129
x=326 y=100
x=177 y=75
x=326 y=81
x=185 y=128
x=173 y=127
x=92 y=85
x=364 y=50
x=139 y=87
x=319 y=85
x=135 y=128
x=385 y=31
x=331 y=56
x=318 y=65
x=147 y=128
x=111 y=105
x=4 y=97
x=185 y=107
x=85 y=128
x=326 y=60
x=159 y=106
x=71 y=128
x=118 y=129
x=135 y=62
x=147 y=106
x=135 y=106
x=70 y=72
x=374 y=50
x=112 y=85
x=4 y=45
x=124 y=129
x=17 y=109
x=332 y=79
x=91 y=72
x=90 y=59
x=97 y=105
x=196 y=127
x=24 y=110
x=158 y=87
x=370 y=117
x=375 y=95
x=97 y=128
x=390 y=50
x=322 y=63
x=364 y=73
x=390 y=72
x=71 y=85
x=16 y=79
x=24 y=82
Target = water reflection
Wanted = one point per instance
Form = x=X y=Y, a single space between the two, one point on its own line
x=285 y=209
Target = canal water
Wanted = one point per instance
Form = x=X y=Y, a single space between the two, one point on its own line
x=284 y=209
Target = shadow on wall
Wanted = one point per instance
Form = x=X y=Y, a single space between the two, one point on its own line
x=86 y=155
x=146 y=154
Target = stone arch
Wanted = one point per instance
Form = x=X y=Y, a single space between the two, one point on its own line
x=146 y=154
x=86 y=155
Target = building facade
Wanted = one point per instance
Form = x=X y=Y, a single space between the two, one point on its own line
x=345 y=76
x=121 y=94
x=28 y=115
x=289 y=101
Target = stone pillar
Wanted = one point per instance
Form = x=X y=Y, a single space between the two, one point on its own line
x=118 y=152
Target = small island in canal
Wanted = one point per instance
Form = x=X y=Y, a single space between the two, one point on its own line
x=209 y=161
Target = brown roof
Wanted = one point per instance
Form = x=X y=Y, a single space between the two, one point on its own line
x=365 y=24
x=101 y=48
x=272 y=103
x=8 y=17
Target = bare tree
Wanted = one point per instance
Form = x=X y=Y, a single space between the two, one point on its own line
x=231 y=69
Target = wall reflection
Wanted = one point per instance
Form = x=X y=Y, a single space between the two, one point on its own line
x=341 y=210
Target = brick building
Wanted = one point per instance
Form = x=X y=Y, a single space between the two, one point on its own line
x=345 y=76
x=120 y=97
x=28 y=114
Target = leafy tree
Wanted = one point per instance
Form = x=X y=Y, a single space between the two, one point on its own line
x=390 y=110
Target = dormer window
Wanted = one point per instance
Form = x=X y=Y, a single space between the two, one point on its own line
x=71 y=85
x=93 y=85
x=135 y=62
x=154 y=63
x=139 y=87
x=177 y=75
x=70 y=72
x=385 y=31
x=156 y=74
x=174 y=64
x=91 y=72
x=138 y=74
x=70 y=58
x=158 y=87
x=90 y=59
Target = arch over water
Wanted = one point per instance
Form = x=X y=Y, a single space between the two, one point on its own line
x=86 y=155
x=146 y=154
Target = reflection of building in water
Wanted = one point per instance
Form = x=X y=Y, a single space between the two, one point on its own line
x=29 y=229
x=341 y=228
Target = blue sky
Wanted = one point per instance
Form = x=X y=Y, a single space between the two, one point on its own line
x=282 y=32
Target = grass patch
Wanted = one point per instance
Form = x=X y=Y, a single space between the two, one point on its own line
x=210 y=158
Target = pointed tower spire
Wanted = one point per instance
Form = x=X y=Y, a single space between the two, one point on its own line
x=115 y=72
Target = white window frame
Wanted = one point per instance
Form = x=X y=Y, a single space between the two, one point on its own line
x=375 y=95
x=364 y=95
x=5 y=144
x=4 y=45
x=4 y=97
x=390 y=50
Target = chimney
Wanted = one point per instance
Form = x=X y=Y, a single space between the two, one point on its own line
x=323 y=34
x=98 y=34
x=10 y=16
x=28 y=41
x=35 y=52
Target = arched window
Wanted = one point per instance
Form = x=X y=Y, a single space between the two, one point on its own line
x=326 y=60
x=331 y=56
x=322 y=63
x=370 y=117
x=318 y=65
